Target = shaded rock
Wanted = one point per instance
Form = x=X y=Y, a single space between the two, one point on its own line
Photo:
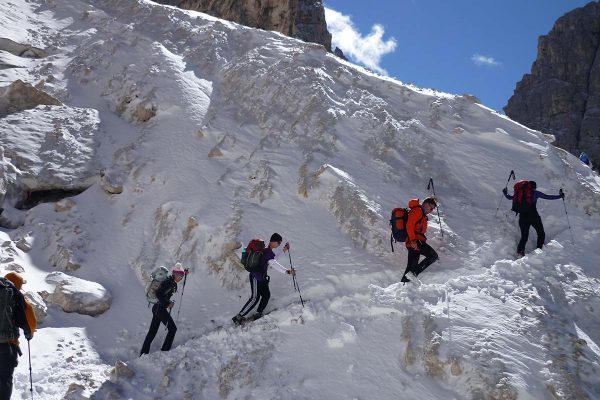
x=338 y=52
x=63 y=260
x=21 y=50
x=121 y=371
x=111 y=182
x=310 y=23
x=471 y=98
x=75 y=392
x=24 y=244
x=20 y=96
x=39 y=306
x=14 y=267
x=64 y=205
x=561 y=95
x=78 y=295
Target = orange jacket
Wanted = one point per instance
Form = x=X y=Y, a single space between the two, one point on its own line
x=31 y=320
x=416 y=226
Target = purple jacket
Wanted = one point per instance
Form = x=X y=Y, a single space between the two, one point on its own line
x=538 y=195
x=262 y=275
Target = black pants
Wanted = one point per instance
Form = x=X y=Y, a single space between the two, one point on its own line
x=259 y=291
x=160 y=314
x=8 y=363
x=413 y=264
x=526 y=221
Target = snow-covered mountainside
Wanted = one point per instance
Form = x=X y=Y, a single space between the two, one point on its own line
x=179 y=137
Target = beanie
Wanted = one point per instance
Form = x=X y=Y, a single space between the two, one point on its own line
x=178 y=270
x=16 y=279
x=276 y=237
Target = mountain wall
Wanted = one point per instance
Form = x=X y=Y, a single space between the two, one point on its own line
x=561 y=95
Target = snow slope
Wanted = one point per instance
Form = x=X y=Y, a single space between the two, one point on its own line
x=219 y=133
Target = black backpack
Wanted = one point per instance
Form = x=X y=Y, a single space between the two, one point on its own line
x=8 y=330
x=398 y=224
x=252 y=254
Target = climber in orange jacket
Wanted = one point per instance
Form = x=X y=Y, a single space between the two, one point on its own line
x=16 y=312
x=416 y=242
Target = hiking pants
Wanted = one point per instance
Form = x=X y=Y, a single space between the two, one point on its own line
x=413 y=263
x=527 y=220
x=259 y=291
x=160 y=314
x=8 y=363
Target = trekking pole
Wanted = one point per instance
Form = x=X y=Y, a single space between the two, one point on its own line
x=296 y=287
x=430 y=184
x=30 y=371
x=512 y=174
x=568 y=222
x=182 y=290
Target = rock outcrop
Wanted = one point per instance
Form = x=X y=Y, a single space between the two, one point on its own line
x=78 y=295
x=303 y=19
x=561 y=95
x=19 y=96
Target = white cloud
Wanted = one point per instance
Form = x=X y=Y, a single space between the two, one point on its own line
x=367 y=50
x=478 y=59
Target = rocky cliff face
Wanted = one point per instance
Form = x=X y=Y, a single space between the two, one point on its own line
x=561 y=96
x=303 y=19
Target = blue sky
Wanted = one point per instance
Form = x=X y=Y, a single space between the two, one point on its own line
x=482 y=47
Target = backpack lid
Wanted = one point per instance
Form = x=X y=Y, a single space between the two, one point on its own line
x=412 y=203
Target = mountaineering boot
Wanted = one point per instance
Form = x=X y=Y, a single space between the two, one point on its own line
x=256 y=316
x=238 y=319
x=404 y=279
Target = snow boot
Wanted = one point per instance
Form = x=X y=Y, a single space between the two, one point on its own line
x=256 y=316
x=238 y=319
x=404 y=279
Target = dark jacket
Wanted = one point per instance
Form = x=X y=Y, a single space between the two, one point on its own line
x=267 y=256
x=18 y=316
x=166 y=289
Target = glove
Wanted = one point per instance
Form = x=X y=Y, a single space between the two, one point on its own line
x=413 y=245
x=286 y=247
x=561 y=194
x=291 y=271
x=505 y=191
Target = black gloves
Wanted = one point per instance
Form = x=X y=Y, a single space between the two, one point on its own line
x=505 y=191
x=561 y=194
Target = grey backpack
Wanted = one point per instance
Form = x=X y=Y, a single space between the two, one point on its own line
x=156 y=278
